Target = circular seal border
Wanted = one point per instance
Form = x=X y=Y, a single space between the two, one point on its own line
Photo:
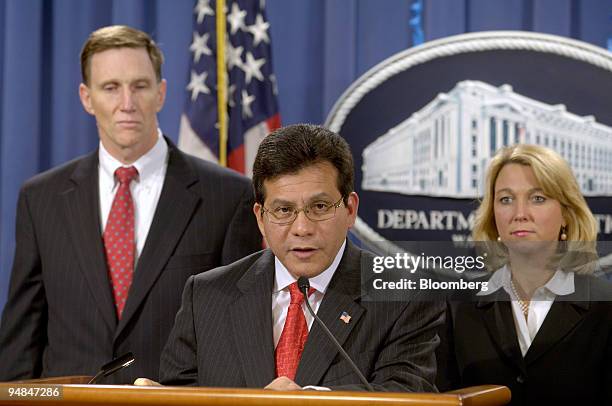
x=457 y=44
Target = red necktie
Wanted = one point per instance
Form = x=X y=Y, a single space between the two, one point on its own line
x=294 y=335
x=119 y=238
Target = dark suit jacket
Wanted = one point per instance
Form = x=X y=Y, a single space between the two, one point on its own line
x=60 y=318
x=569 y=361
x=223 y=332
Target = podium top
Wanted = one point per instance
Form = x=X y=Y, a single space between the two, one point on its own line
x=185 y=396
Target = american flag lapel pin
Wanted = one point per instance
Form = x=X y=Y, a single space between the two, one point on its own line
x=345 y=317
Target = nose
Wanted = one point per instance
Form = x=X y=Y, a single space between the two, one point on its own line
x=521 y=212
x=302 y=226
x=127 y=100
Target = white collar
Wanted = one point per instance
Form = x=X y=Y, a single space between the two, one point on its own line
x=147 y=165
x=282 y=277
x=561 y=283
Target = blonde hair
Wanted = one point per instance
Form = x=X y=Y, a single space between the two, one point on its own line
x=557 y=181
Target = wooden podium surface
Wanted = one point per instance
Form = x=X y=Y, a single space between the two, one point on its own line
x=72 y=394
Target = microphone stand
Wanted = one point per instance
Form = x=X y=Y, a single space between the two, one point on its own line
x=304 y=285
x=115 y=365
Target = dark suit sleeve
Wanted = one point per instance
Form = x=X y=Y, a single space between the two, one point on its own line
x=407 y=362
x=23 y=333
x=179 y=365
x=607 y=381
x=448 y=373
x=242 y=237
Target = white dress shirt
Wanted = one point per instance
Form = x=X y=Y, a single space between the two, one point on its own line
x=145 y=189
x=281 y=298
x=561 y=283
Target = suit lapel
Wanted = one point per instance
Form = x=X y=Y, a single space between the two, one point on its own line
x=174 y=210
x=498 y=319
x=82 y=215
x=342 y=295
x=251 y=320
x=560 y=320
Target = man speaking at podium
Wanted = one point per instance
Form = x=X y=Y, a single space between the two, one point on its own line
x=245 y=324
x=105 y=243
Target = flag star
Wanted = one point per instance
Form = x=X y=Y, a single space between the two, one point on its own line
x=236 y=18
x=230 y=95
x=199 y=47
x=234 y=56
x=247 y=100
x=197 y=84
x=202 y=9
x=274 y=84
x=252 y=67
x=259 y=30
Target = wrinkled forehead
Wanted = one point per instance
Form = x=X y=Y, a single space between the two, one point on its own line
x=121 y=62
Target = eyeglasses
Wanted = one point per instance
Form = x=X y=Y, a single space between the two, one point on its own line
x=316 y=211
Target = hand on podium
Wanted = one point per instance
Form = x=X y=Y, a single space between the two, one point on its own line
x=282 y=383
x=146 y=382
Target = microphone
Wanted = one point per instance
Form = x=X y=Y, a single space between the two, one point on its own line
x=304 y=285
x=115 y=365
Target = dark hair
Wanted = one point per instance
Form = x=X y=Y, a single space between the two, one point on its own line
x=292 y=148
x=119 y=36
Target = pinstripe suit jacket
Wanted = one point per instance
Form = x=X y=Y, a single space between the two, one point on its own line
x=60 y=318
x=223 y=332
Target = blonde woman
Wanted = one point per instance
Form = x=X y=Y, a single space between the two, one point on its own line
x=544 y=326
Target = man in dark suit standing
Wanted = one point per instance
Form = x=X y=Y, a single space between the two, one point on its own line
x=245 y=324
x=106 y=242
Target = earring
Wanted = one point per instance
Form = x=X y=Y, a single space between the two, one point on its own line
x=498 y=238
x=563 y=236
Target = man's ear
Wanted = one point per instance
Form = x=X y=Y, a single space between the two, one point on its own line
x=258 y=212
x=352 y=205
x=86 y=98
x=161 y=95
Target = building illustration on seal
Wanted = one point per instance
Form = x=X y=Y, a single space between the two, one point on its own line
x=444 y=148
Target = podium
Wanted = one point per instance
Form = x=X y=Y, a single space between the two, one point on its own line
x=113 y=395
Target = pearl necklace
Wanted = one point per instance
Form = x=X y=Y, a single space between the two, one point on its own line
x=523 y=304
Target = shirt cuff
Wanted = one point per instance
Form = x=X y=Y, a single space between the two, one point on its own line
x=314 y=387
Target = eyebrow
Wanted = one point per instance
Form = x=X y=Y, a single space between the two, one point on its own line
x=281 y=202
x=116 y=81
x=318 y=196
x=108 y=82
x=509 y=190
x=147 y=80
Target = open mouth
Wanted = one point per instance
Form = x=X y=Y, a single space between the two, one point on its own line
x=303 y=252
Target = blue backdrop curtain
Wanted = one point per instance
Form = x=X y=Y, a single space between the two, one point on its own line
x=319 y=48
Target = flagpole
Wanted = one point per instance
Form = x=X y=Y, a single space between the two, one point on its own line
x=221 y=82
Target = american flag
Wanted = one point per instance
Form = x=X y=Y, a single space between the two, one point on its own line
x=345 y=317
x=244 y=56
